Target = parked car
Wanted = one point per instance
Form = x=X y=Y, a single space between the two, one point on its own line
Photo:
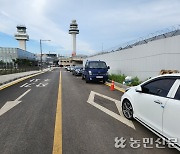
x=156 y=104
x=72 y=68
x=77 y=70
x=68 y=68
x=95 y=71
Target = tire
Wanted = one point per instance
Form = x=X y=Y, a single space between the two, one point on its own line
x=82 y=77
x=127 y=109
x=87 y=81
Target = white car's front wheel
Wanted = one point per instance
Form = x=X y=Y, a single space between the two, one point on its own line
x=127 y=109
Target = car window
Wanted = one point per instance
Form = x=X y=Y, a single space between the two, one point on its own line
x=78 y=67
x=86 y=65
x=159 y=87
x=97 y=65
x=177 y=96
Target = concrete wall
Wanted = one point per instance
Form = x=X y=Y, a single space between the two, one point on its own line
x=146 y=60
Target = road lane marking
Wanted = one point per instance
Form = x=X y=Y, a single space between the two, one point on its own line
x=32 y=82
x=24 y=85
x=120 y=117
x=57 y=146
x=42 y=85
x=10 y=104
x=22 y=95
x=27 y=85
x=18 y=80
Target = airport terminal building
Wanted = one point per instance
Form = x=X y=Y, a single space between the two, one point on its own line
x=8 y=54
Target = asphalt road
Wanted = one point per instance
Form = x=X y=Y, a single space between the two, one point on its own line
x=28 y=128
x=90 y=118
x=88 y=129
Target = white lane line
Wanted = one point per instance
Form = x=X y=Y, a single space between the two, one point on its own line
x=10 y=104
x=109 y=112
x=23 y=85
x=17 y=99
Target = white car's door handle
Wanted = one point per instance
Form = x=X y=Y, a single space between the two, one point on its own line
x=158 y=102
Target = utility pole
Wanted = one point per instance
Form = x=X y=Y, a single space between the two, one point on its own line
x=41 y=50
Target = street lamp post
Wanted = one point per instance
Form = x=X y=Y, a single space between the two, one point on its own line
x=41 y=50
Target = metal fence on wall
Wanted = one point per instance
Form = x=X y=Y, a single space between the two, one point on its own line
x=165 y=33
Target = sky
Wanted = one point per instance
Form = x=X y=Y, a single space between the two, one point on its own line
x=103 y=24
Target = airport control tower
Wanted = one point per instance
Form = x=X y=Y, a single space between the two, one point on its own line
x=21 y=36
x=73 y=31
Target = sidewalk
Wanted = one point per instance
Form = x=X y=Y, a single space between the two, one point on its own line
x=11 y=77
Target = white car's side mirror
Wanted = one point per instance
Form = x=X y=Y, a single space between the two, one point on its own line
x=138 y=89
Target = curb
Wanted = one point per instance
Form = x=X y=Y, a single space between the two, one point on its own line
x=19 y=79
x=118 y=86
x=15 y=79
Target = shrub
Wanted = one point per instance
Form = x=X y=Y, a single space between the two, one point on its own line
x=117 y=77
x=120 y=79
x=135 y=81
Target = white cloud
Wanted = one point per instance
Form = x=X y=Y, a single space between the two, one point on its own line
x=33 y=15
x=102 y=21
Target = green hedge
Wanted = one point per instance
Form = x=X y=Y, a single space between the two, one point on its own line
x=117 y=77
x=135 y=81
x=121 y=77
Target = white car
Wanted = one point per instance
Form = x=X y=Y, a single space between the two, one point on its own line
x=156 y=104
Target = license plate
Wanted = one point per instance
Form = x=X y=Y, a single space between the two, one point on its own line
x=99 y=77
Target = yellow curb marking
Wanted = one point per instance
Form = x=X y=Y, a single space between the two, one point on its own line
x=117 y=88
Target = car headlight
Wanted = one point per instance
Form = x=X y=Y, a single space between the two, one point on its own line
x=78 y=70
x=90 y=73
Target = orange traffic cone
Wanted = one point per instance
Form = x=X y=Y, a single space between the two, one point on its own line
x=112 y=86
